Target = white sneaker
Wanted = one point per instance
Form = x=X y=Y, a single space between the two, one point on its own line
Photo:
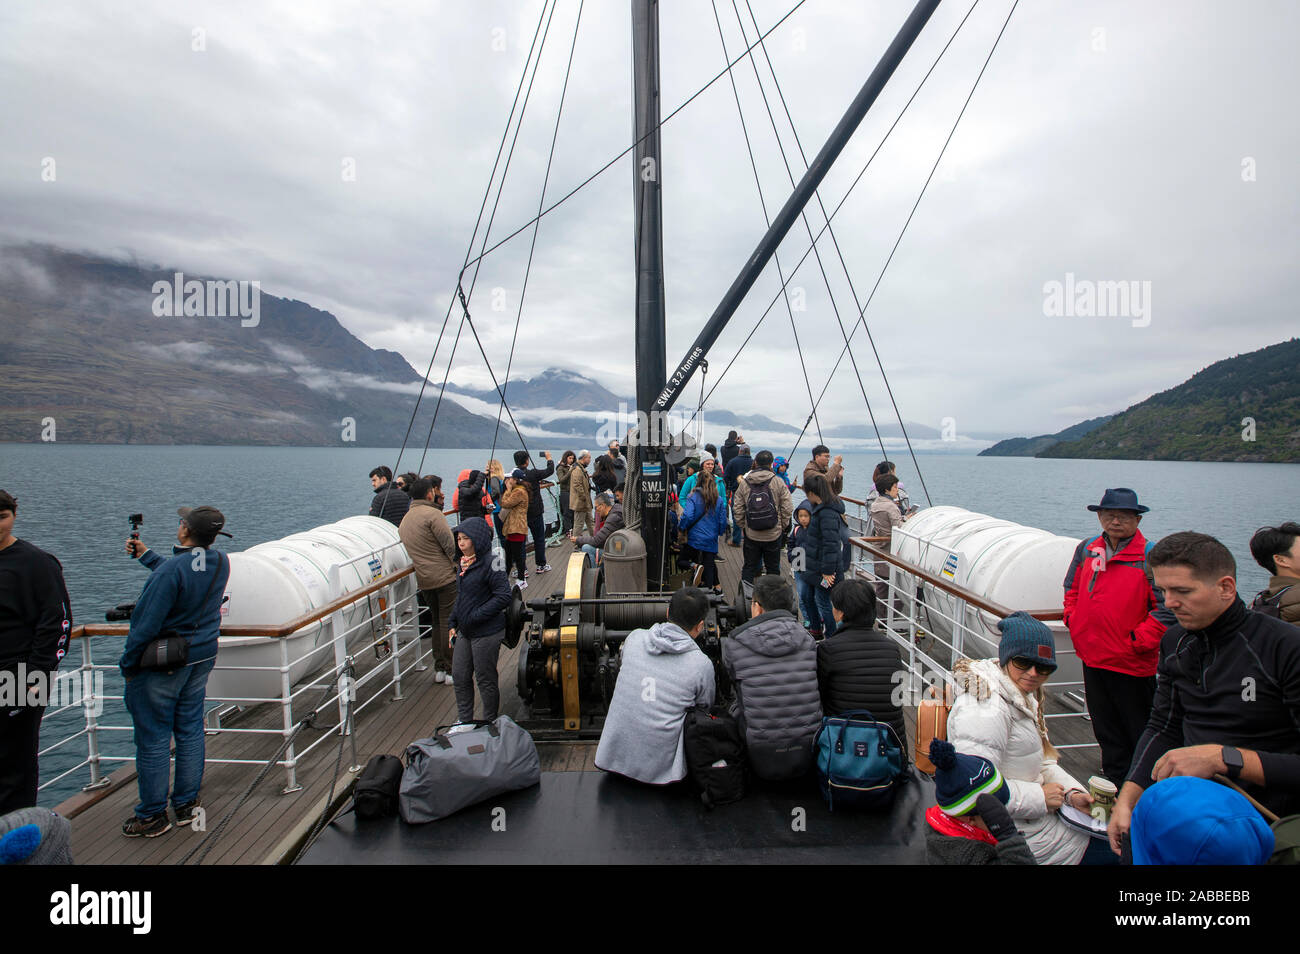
x=544 y=569
x=459 y=727
x=523 y=584
x=448 y=680
x=439 y=676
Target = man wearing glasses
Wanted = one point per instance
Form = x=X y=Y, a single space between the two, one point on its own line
x=1116 y=617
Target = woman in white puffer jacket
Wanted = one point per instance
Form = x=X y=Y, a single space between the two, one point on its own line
x=998 y=715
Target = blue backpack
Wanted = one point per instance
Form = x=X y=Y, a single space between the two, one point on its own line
x=860 y=762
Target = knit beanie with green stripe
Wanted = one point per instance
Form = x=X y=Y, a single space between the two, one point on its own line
x=960 y=779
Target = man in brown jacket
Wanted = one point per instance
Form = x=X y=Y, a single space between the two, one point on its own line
x=432 y=548
x=580 y=496
x=762 y=542
x=821 y=464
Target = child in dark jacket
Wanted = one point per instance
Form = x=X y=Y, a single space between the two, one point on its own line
x=970 y=825
x=805 y=583
x=477 y=620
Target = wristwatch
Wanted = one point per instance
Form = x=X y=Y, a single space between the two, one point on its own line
x=1232 y=759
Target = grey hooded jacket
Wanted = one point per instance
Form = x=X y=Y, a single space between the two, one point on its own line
x=662 y=674
x=773 y=662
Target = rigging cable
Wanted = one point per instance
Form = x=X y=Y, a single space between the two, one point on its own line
x=484 y=251
x=541 y=201
x=767 y=221
x=803 y=214
x=840 y=206
x=587 y=181
x=424 y=381
x=460 y=292
x=921 y=195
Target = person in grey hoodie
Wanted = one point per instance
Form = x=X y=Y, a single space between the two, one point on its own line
x=662 y=674
x=773 y=663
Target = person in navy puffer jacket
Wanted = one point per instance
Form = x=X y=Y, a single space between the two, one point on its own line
x=826 y=555
x=704 y=518
x=477 y=620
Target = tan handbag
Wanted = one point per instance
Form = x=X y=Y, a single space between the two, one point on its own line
x=931 y=723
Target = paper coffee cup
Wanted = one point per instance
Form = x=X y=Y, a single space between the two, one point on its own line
x=1103 y=792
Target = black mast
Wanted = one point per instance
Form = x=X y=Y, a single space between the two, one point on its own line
x=784 y=219
x=651 y=347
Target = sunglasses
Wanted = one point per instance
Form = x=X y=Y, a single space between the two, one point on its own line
x=1024 y=665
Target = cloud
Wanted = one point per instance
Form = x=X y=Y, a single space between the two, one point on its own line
x=1118 y=160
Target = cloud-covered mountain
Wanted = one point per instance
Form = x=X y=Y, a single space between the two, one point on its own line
x=87 y=347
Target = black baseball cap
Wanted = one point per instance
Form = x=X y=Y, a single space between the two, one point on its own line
x=204 y=521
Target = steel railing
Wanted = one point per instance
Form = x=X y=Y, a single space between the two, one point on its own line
x=390 y=622
x=937 y=622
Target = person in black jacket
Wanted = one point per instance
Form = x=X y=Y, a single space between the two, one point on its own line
x=390 y=501
x=35 y=623
x=1227 y=686
x=477 y=621
x=536 y=517
x=858 y=667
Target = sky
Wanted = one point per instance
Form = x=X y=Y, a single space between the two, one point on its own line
x=339 y=153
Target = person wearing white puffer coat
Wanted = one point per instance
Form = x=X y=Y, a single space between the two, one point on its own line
x=997 y=715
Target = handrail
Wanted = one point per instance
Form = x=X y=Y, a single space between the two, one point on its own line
x=969 y=596
x=266 y=632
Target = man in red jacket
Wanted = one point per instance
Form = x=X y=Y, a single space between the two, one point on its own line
x=1116 y=617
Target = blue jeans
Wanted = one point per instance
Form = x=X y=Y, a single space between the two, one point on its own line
x=807 y=584
x=161 y=706
x=592 y=552
x=822 y=597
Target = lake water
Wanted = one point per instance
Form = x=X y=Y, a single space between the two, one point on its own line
x=73 y=500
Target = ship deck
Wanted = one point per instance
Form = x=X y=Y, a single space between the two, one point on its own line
x=271 y=827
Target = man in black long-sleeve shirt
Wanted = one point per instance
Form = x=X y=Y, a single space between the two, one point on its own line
x=536 y=513
x=35 y=622
x=1227 y=686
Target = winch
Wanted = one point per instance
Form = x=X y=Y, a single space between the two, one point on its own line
x=568 y=660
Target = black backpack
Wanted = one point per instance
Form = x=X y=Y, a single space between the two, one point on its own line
x=715 y=754
x=1269 y=606
x=760 y=510
x=375 y=794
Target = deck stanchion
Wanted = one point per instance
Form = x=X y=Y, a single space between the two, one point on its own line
x=88 y=712
x=286 y=707
x=338 y=632
x=396 y=636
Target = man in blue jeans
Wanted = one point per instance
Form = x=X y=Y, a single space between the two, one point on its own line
x=182 y=596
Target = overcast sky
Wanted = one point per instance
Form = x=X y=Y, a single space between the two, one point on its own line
x=1144 y=142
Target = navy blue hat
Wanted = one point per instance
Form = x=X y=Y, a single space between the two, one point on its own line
x=519 y=474
x=960 y=779
x=1119 y=498
x=1026 y=638
x=1192 y=821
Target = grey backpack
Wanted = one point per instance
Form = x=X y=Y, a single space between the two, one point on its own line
x=446 y=773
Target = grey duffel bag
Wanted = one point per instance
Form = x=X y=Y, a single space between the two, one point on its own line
x=449 y=772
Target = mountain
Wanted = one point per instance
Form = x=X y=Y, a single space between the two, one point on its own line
x=1031 y=446
x=863 y=430
x=1244 y=408
x=91 y=343
x=553 y=388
